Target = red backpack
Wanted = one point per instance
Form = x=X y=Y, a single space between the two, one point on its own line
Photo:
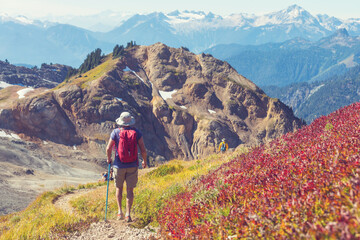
x=127 y=148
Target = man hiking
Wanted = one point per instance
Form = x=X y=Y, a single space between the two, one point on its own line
x=223 y=145
x=124 y=140
x=104 y=176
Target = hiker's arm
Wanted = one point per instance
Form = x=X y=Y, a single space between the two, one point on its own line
x=143 y=152
x=109 y=149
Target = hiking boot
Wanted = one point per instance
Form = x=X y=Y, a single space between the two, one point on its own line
x=120 y=216
x=128 y=219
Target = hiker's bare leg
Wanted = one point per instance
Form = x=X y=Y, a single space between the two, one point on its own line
x=129 y=200
x=119 y=198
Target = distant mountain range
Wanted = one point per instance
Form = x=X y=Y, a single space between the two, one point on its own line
x=312 y=100
x=35 y=42
x=295 y=60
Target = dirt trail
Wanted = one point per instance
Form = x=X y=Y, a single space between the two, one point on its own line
x=63 y=202
x=112 y=229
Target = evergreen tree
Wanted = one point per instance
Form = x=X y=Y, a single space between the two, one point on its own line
x=130 y=44
x=71 y=72
x=92 y=60
x=118 y=51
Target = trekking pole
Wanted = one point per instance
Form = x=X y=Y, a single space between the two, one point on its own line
x=107 y=190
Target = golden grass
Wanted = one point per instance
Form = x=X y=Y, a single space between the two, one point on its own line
x=84 y=79
x=5 y=94
x=153 y=188
x=43 y=220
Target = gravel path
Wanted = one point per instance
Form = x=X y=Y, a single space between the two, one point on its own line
x=112 y=229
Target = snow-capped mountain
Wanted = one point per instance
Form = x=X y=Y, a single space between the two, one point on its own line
x=18 y=19
x=23 y=20
x=292 y=15
x=34 y=43
x=195 y=30
x=199 y=30
x=102 y=22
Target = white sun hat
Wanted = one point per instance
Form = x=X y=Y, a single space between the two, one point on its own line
x=125 y=119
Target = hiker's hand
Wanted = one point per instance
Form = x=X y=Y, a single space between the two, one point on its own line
x=109 y=160
x=144 y=164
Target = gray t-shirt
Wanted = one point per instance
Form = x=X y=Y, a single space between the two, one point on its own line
x=115 y=137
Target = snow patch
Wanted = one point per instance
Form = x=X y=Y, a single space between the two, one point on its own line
x=211 y=111
x=185 y=17
x=4 y=84
x=49 y=81
x=138 y=76
x=315 y=90
x=11 y=135
x=137 y=24
x=18 y=19
x=183 y=107
x=127 y=69
x=74 y=147
x=24 y=20
x=24 y=91
x=349 y=62
x=166 y=95
x=119 y=99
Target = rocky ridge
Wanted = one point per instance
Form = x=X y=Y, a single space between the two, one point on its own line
x=183 y=103
x=48 y=76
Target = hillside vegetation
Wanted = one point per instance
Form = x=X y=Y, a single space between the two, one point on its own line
x=43 y=220
x=302 y=185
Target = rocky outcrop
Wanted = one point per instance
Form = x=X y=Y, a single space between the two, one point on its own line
x=41 y=116
x=183 y=103
x=48 y=76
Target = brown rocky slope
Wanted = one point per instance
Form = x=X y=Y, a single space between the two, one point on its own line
x=48 y=76
x=183 y=103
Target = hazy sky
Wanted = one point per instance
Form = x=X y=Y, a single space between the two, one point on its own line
x=39 y=8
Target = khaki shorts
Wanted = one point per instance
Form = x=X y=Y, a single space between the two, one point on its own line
x=130 y=175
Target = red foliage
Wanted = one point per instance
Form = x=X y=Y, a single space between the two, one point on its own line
x=302 y=185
